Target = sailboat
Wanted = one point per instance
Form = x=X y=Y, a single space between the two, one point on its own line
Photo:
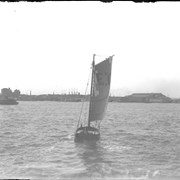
x=99 y=95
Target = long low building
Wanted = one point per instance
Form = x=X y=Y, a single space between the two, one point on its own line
x=147 y=98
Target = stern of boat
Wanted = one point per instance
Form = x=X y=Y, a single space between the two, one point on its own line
x=87 y=134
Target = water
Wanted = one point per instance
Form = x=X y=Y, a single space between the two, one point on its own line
x=138 y=142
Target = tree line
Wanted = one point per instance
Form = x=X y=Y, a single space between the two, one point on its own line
x=7 y=92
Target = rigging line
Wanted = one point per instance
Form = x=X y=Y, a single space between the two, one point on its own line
x=100 y=55
x=84 y=100
x=103 y=56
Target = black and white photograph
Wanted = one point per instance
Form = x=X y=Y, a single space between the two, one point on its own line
x=89 y=90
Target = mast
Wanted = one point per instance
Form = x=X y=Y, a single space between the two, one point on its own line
x=92 y=86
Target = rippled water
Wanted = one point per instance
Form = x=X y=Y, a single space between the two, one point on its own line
x=138 y=141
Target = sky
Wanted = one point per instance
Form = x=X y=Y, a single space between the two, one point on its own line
x=48 y=47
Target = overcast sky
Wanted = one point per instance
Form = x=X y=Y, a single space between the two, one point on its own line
x=48 y=47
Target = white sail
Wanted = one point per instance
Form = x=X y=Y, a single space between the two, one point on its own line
x=100 y=87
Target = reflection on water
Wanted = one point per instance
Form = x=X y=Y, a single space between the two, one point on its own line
x=92 y=156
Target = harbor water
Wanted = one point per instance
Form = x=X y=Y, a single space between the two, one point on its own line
x=138 y=141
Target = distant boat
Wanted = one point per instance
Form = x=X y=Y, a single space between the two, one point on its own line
x=8 y=101
x=100 y=87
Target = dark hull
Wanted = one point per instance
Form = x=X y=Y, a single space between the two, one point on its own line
x=87 y=134
x=8 y=102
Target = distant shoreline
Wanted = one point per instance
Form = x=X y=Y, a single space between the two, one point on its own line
x=134 y=98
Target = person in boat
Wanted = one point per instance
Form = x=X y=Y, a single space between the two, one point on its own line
x=81 y=127
x=85 y=130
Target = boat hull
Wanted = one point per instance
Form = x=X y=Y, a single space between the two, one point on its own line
x=87 y=134
x=8 y=102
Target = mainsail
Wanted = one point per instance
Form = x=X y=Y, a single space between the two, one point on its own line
x=100 y=86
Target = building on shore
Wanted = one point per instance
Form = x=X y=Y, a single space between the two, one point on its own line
x=147 y=98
